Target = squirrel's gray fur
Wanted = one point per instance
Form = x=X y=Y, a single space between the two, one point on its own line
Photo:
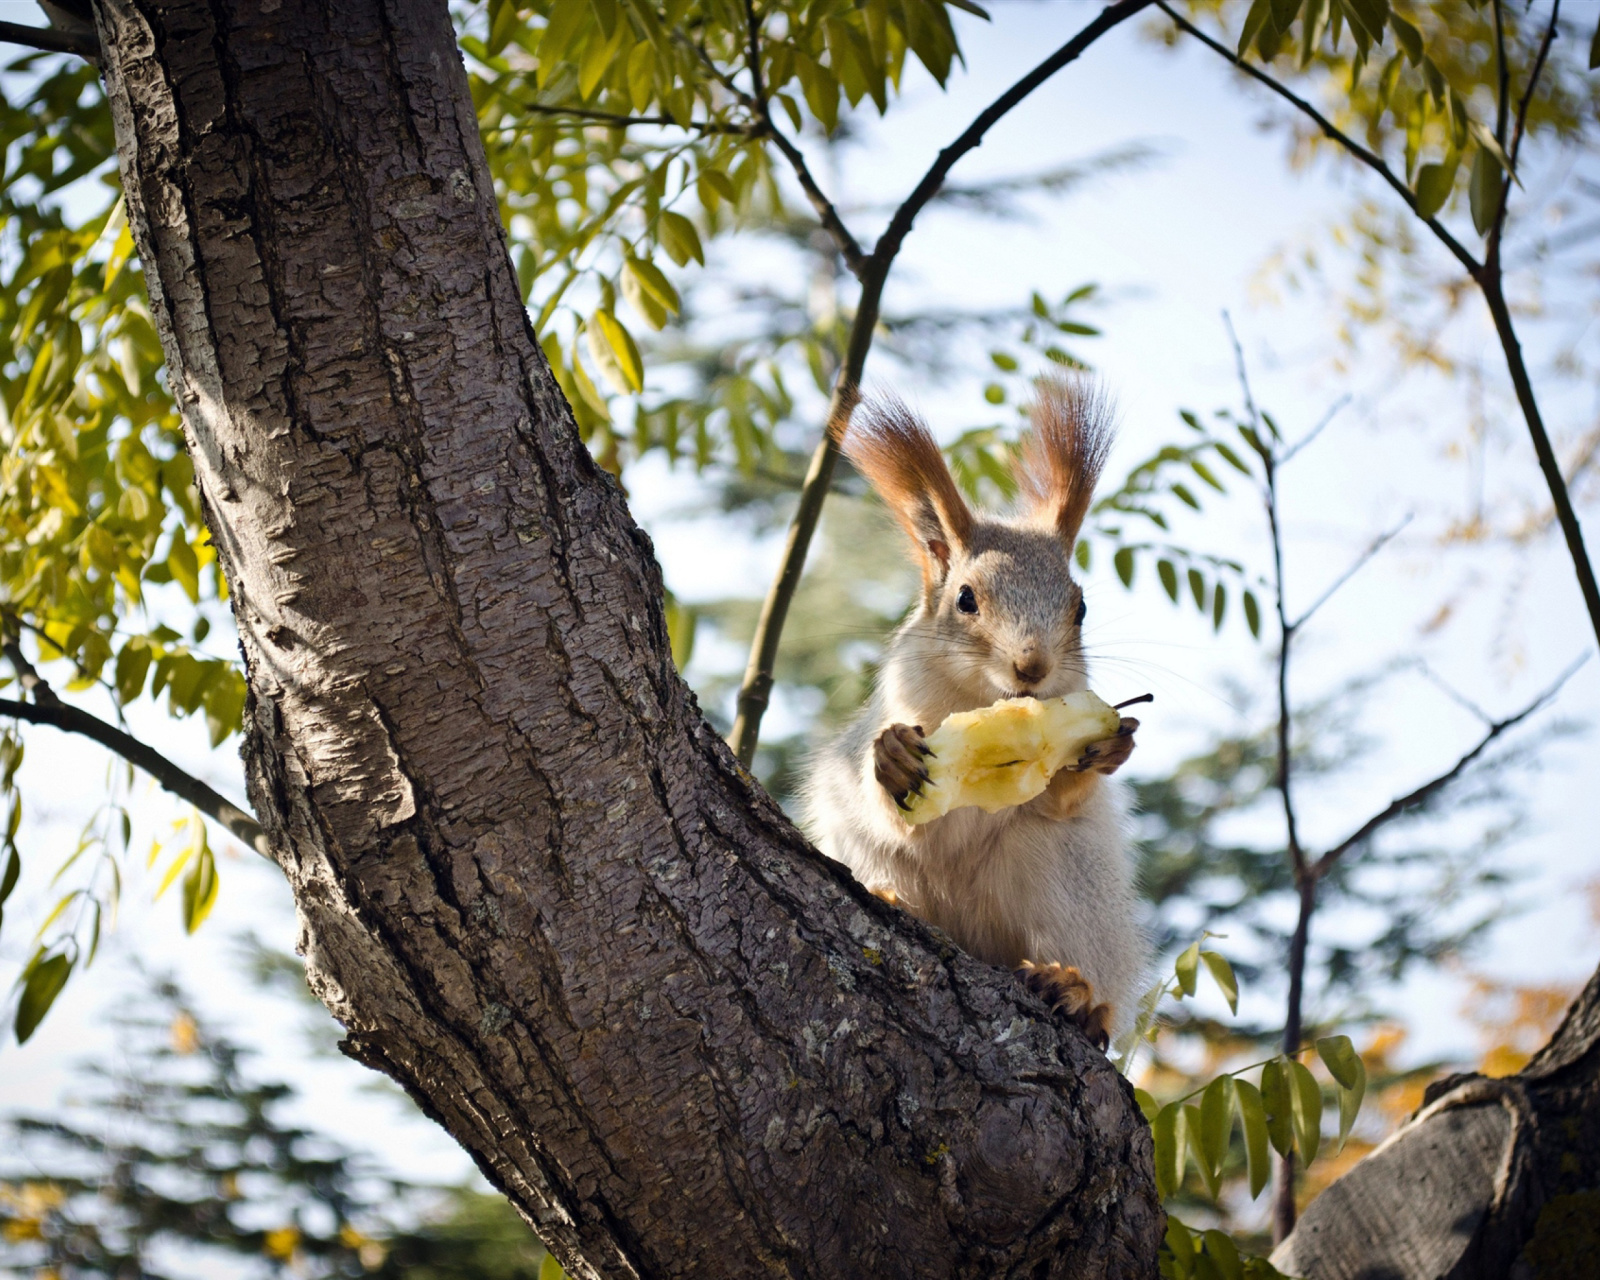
x=1050 y=881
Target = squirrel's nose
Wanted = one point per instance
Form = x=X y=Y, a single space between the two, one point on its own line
x=1031 y=665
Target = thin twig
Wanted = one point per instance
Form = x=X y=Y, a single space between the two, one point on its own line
x=51 y=40
x=180 y=782
x=1502 y=96
x=756 y=689
x=1372 y=161
x=973 y=135
x=1455 y=695
x=1411 y=800
x=1517 y=133
x=1316 y=430
x=584 y=115
x=1360 y=562
x=849 y=247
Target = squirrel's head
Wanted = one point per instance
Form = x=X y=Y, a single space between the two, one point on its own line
x=1001 y=614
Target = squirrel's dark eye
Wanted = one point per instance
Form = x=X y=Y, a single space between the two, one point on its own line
x=1083 y=608
x=966 y=601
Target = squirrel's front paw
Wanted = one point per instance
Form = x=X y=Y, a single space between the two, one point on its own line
x=1109 y=754
x=1068 y=992
x=897 y=761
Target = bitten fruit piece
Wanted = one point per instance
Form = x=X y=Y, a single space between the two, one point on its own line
x=1006 y=754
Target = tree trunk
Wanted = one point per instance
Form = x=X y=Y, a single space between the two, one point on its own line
x=532 y=882
x=1492 y=1178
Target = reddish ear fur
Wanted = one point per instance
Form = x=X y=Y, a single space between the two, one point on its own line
x=1064 y=453
x=900 y=458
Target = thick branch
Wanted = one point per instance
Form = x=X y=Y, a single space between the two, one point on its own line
x=1332 y=131
x=184 y=785
x=531 y=881
x=50 y=40
x=1421 y=795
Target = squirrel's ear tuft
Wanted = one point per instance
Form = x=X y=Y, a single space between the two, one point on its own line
x=1064 y=453
x=898 y=455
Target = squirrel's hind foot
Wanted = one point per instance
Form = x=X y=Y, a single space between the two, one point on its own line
x=1068 y=992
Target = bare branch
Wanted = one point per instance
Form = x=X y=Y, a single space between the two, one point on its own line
x=582 y=115
x=51 y=40
x=756 y=688
x=1332 y=131
x=1455 y=695
x=889 y=244
x=832 y=223
x=1521 y=125
x=1411 y=800
x=1315 y=431
x=179 y=781
x=1361 y=561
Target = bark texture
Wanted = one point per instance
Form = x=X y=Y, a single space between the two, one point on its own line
x=1492 y=1179
x=533 y=884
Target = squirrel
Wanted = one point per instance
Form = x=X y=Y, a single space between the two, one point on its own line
x=1045 y=888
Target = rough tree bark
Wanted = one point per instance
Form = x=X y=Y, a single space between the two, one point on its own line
x=1491 y=1179
x=532 y=883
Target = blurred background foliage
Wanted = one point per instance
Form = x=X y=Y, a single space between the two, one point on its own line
x=695 y=306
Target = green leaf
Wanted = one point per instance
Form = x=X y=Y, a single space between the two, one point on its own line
x=133 y=665
x=1222 y=974
x=1149 y=1108
x=994 y=393
x=1004 y=361
x=199 y=887
x=1253 y=22
x=1280 y=1108
x=1483 y=190
x=641 y=75
x=1252 y=613
x=42 y=981
x=1222 y=1250
x=1341 y=1059
x=1182 y=1244
x=8 y=881
x=1594 y=49
x=550 y=1269
x=613 y=349
x=680 y=239
x=1183 y=494
x=1123 y=563
x=1216 y=1131
x=1408 y=37
x=1434 y=184
x=1306 y=1104
x=1219 y=605
x=1170 y=1129
x=1197 y=588
x=1187 y=968
x=1253 y=1118
x=1350 y=1102
x=641 y=299
x=1169 y=579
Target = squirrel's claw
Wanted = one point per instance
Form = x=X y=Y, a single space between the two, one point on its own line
x=1068 y=993
x=897 y=762
x=1109 y=754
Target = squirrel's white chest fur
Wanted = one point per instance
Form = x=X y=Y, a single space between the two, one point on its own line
x=1007 y=887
